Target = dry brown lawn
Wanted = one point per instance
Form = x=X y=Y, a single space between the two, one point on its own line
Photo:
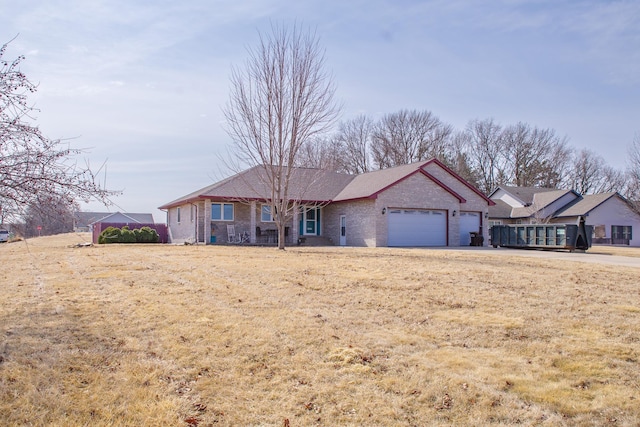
x=615 y=250
x=153 y=335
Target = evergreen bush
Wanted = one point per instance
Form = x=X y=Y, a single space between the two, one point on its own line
x=148 y=235
x=109 y=235
x=125 y=235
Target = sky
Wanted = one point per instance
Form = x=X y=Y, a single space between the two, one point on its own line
x=141 y=84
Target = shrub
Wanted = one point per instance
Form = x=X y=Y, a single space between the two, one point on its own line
x=148 y=235
x=125 y=235
x=109 y=235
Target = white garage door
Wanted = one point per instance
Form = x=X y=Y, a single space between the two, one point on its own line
x=413 y=227
x=469 y=221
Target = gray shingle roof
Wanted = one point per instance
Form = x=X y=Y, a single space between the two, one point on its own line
x=500 y=210
x=84 y=219
x=585 y=205
x=306 y=184
x=534 y=199
x=539 y=202
x=526 y=194
x=370 y=183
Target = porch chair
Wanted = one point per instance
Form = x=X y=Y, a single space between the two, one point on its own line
x=231 y=233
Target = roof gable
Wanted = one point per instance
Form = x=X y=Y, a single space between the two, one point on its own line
x=535 y=201
x=119 y=217
x=370 y=184
x=83 y=219
x=525 y=195
x=586 y=204
x=464 y=182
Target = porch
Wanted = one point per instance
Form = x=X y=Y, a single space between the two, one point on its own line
x=252 y=224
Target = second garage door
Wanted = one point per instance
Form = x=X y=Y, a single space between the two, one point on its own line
x=416 y=227
x=469 y=221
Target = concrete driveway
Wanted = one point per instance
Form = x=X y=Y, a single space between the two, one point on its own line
x=561 y=255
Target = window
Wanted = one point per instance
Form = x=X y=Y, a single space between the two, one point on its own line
x=621 y=232
x=222 y=211
x=265 y=214
x=495 y=222
x=178 y=215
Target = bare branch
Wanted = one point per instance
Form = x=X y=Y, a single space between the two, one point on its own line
x=35 y=170
x=280 y=100
x=409 y=136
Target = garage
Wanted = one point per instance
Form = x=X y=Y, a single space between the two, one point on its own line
x=417 y=227
x=469 y=222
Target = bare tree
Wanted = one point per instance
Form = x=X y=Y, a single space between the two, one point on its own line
x=490 y=155
x=409 y=136
x=587 y=171
x=35 y=170
x=281 y=99
x=555 y=158
x=612 y=180
x=321 y=153
x=485 y=149
x=632 y=191
x=535 y=157
x=55 y=218
x=591 y=174
x=354 y=137
x=458 y=160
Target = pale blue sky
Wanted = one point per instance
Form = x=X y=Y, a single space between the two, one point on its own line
x=142 y=82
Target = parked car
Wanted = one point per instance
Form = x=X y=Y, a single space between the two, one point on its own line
x=4 y=235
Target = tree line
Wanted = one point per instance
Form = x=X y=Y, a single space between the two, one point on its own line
x=486 y=153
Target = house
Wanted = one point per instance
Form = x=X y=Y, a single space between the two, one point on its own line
x=84 y=221
x=420 y=204
x=96 y=222
x=610 y=215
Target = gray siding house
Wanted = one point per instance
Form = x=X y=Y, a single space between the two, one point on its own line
x=613 y=219
x=84 y=221
x=415 y=205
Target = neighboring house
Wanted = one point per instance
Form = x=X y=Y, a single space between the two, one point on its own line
x=420 y=204
x=610 y=214
x=84 y=221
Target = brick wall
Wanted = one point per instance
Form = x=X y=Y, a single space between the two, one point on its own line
x=360 y=222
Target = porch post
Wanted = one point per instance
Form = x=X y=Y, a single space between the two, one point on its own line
x=207 y=221
x=252 y=228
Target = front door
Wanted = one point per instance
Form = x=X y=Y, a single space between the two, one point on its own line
x=343 y=230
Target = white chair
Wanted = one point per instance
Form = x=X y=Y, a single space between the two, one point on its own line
x=231 y=233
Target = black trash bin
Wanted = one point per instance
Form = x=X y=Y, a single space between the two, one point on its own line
x=477 y=239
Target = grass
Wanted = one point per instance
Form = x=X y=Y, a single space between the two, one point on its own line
x=132 y=335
